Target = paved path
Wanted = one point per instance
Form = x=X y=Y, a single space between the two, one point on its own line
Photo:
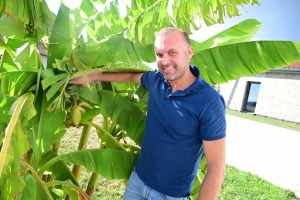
x=271 y=152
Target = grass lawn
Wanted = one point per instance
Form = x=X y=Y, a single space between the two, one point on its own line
x=276 y=122
x=238 y=185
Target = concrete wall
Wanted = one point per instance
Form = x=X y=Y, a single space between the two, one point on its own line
x=279 y=95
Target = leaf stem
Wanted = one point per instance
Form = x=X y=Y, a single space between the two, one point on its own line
x=37 y=178
x=85 y=134
x=92 y=184
x=104 y=132
x=68 y=184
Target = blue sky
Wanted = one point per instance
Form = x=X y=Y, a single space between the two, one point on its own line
x=280 y=18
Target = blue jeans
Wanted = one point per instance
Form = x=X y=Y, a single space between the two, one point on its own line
x=136 y=189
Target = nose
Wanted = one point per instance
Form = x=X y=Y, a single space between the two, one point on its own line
x=165 y=60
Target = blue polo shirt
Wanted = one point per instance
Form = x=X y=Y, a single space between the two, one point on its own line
x=176 y=125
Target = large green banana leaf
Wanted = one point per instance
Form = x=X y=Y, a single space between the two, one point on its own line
x=7 y=48
x=241 y=32
x=114 y=50
x=221 y=64
x=30 y=189
x=61 y=39
x=47 y=128
x=11 y=28
x=120 y=109
x=41 y=137
x=22 y=56
x=16 y=83
x=108 y=22
x=35 y=186
x=123 y=112
x=118 y=49
x=228 y=62
x=112 y=164
x=6 y=103
x=185 y=14
x=14 y=147
x=8 y=63
x=145 y=18
x=33 y=16
x=58 y=170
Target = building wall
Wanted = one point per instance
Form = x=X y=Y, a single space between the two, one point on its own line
x=279 y=95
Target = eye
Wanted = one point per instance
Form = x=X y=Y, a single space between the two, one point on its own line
x=159 y=55
x=172 y=52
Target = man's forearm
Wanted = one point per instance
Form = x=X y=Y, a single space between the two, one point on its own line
x=211 y=185
x=111 y=77
x=115 y=77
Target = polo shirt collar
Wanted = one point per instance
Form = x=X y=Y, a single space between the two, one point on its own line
x=194 y=87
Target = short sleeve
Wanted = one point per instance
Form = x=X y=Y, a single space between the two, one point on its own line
x=148 y=78
x=213 y=121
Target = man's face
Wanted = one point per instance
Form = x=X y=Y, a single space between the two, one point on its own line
x=172 y=55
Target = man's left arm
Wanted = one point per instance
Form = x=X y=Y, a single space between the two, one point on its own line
x=215 y=152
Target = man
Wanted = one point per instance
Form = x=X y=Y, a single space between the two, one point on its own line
x=185 y=116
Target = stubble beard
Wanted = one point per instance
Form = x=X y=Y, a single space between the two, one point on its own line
x=176 y=75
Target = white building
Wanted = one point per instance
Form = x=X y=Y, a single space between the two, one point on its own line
x=273 y=94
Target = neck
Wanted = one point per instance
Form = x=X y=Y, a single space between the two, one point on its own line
x=183 y=82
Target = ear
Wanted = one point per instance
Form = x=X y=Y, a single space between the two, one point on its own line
x=190 y=51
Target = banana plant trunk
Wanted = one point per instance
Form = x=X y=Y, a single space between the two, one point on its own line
x=86 y=131
x=92 y=184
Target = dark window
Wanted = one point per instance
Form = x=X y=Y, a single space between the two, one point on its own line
x=251 y=96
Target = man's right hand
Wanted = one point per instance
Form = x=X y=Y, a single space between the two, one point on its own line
x=84 y=80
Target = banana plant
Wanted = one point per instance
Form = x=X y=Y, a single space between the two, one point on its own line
x=37 y=104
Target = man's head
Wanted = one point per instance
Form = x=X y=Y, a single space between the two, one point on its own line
x=165 y=31
x=173 y=53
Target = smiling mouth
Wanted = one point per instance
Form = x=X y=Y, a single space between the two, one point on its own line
x=166 y=69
